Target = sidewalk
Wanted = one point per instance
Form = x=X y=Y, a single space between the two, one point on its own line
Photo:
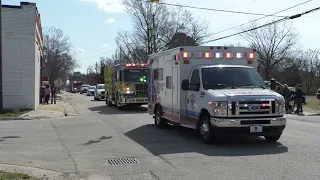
x=49 y=111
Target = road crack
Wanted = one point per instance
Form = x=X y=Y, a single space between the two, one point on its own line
x=65 y=147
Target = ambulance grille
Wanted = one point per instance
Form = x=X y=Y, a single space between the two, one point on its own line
x=253 y=108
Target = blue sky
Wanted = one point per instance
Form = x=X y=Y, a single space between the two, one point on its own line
x=93 y=24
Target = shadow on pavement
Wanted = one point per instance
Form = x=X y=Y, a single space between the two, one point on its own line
x=182 y=140
x=8 y=137
x=97 y=141
x=113 y=110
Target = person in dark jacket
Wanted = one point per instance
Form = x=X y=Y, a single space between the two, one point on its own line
x=53 y=94
x=42 y=95
x=286 y=93
x=273 y=84
x=298 y=99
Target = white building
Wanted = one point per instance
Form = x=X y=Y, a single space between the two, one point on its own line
x=22 y=55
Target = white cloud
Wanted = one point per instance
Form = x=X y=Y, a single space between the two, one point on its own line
x=80 y=50
x=110 y=20
x=108 y=6
x=105 y=45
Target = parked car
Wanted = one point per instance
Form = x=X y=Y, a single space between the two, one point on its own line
x=99 y=92
x=91 y=90
x=84 y=88
x=292 y=89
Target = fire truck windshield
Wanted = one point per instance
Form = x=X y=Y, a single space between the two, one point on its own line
x=231 y=77
x=135 y=75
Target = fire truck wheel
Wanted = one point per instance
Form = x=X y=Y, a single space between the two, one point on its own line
x=119 y=107
x=206 y=130
x=158 y=120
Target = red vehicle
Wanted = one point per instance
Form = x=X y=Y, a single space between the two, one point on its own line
x=76 y=86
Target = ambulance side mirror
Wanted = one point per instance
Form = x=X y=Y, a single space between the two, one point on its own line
x=185 y=85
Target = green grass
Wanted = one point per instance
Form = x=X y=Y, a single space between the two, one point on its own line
x=13 y=112
x=14 y=176
x=313 y=103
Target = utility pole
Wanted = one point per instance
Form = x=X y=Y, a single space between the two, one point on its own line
x=97 y=73
x=87 y=77
x=1 y=92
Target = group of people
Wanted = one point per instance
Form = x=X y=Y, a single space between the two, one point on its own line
x=296 y=97
x=47 y=92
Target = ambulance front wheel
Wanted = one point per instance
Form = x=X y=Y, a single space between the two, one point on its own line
x=206 y=129
x=158 y=120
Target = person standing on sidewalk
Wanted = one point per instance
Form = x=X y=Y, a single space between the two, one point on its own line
x=47 y=92
x=53 y=94
x=42 y=92
x=286 y=93
x=298 y=99
x=273 y=84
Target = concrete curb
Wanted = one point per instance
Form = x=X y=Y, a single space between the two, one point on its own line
x=36 y=172
x=26 y=114
x=15 y=118
x=67 y=107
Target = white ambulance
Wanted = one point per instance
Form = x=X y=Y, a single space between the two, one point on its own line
x=214 y=90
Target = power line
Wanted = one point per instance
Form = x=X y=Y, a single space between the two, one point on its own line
x=96 y=55
x=210 y=9
x=268 y=24
x=260 y=18
x=235 y=4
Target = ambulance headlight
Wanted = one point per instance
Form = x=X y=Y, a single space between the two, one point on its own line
x=281 y=107
x=220 y=109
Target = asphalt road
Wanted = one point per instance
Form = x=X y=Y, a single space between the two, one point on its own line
x=179 y=154
x=83 y=144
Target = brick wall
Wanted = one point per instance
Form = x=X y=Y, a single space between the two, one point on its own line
x=21 y=59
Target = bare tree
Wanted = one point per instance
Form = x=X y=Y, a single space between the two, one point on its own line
x=273 y=44
x=310 y=70
x=155 y=25
x=58 y=54
x=130 y=48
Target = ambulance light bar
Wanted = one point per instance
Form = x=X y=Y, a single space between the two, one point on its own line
x=217 y=55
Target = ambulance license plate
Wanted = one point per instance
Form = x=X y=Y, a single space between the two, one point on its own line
x=255 y=129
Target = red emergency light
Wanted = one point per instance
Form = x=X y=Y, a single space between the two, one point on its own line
x=177 y=57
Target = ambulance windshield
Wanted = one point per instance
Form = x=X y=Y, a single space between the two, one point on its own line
x=231 y=77
x=135 y=75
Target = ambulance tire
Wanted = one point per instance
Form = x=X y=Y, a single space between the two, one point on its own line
x=206 y=130
x=160 y=122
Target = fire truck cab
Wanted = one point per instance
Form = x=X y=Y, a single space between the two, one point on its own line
x=214 y=90
x=126 y=84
